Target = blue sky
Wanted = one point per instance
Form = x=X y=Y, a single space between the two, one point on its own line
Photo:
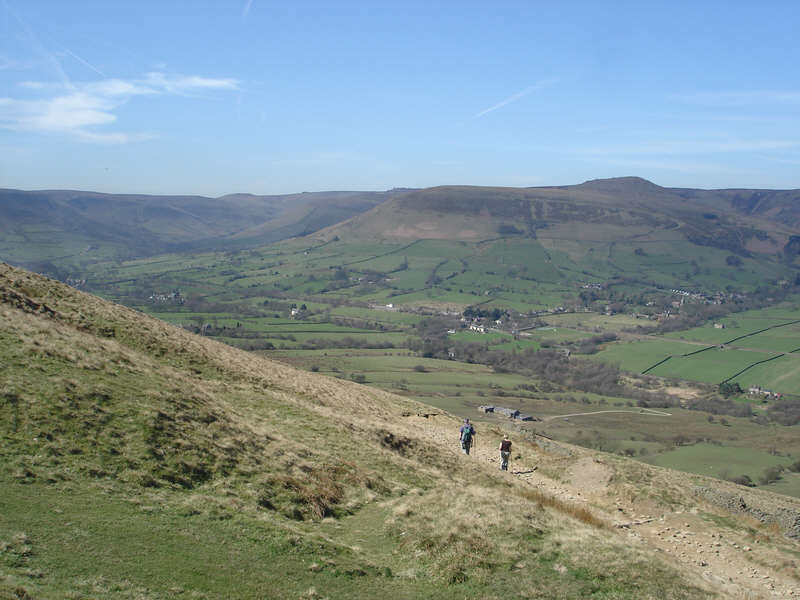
x=269 y=97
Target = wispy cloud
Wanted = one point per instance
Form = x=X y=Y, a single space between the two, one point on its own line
x=84 y=62
x=246 y=9
x=693 y=167
x=85 y=110
x=514 y=97
x=7 y=64
x=684 y=147
x=779 y=159
x=740 y=98
x=48 y=57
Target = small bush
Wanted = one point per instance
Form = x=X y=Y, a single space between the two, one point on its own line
x=743 y=480
x=770 y=475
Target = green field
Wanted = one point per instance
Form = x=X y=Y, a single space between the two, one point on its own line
x=726 y=462
x=711 y=366
x=244 y=298
x=745 y=344
x=637 y=356
x=780 y=375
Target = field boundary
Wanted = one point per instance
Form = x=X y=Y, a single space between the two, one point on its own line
x=702 y=350
x=736 y=339
x=661 y=362
x=361 y=260
x=760 y=362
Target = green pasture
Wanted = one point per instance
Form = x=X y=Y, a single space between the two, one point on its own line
x=720 y=461
x=449 y=269
x=711 y=366
x=479 y=280
x=475 y=337
x=558 y=335
x=779 y=339
x=302 y=337
x=788 y=484
x=519 y=302
x=779 y=375
x=636 y=356
x=682 y=262
x=442 y=383
x=383 y=264
x=380 y=315
x=433 y=295
x=596 y=321
x=412 y=278
x=523 y=256
x=744 y=323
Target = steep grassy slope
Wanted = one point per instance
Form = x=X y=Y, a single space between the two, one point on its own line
x=626 y=208
x=139 y=461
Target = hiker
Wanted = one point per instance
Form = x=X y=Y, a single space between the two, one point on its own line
x=467 y=432
x=505 y=452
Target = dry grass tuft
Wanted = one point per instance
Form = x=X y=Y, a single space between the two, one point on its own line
x=581 y=513
x=315 y=494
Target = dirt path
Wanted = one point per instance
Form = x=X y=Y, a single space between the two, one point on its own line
x=730 y=558
x=645 y=412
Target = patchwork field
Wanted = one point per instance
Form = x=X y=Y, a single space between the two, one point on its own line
x=367 y=310
x=760 y=344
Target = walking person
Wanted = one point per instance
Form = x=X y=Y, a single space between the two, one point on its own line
x=466 y=435
x=505 y=452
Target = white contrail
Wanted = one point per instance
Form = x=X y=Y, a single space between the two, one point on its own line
x=84 y=62
x=40 y=48
x=514 y=97
x=246 y=9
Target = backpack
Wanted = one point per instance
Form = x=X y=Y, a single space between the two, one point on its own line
x=466 y=435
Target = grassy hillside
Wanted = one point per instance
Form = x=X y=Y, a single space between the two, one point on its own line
x=139 y=460
x=58 y=231
x=620 y=209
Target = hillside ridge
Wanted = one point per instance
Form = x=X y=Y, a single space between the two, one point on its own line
x=743 y=221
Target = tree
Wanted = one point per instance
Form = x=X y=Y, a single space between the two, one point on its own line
x=728 y=389
x=770 y=475
x=733 y=261
x=743 y=480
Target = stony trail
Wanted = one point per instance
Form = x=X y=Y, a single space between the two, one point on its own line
x=735 y=563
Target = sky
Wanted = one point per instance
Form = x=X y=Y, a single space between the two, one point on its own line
x=216 y=97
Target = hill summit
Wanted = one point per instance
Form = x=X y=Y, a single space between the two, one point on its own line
x=621 y=185
x=139 y=460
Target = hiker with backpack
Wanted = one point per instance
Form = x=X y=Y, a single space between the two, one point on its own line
x=505 y=452
x=466 y=435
